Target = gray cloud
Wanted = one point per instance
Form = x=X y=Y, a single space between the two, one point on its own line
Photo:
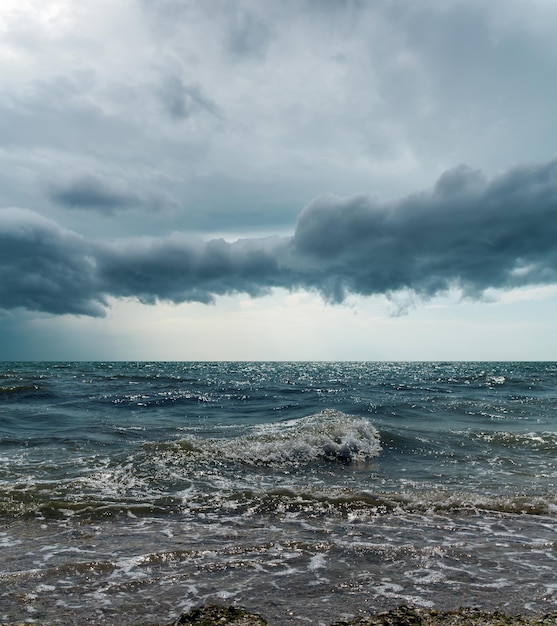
x=179 y=269
x=91 y=192
x=101 y=194
x=244 y=110
x=468 y=231
x=182 y=101
x=248 y=36
x=44 y=267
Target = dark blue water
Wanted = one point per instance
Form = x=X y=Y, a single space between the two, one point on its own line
x=301 y=490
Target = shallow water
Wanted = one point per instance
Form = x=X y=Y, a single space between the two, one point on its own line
x=304 y=491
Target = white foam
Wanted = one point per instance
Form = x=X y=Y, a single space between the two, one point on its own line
x=317 y=561
x=328 y=435
x=127 y=565
x=8 y=542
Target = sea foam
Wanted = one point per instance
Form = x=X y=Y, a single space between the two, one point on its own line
x=329 y=435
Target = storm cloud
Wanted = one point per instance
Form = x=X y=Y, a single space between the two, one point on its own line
x=467 y=232
x=179 y=269
x=233 y=114
x=44 y=267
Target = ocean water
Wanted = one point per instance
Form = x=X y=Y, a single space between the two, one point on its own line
x=307 y=492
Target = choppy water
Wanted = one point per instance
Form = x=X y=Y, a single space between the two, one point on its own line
x=130 y=492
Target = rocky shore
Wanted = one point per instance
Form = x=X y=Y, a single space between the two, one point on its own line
x=402 y=616
x=213 y=615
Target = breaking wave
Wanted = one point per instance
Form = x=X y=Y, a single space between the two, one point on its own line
x=326 y=436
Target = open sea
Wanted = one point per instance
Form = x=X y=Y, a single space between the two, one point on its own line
x=307 y=492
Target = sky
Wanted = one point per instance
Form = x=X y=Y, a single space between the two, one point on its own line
x=278 y=180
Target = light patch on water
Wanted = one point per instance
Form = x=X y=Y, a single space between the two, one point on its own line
x=317 y=561
x=425 y=576
x=8 y=542
x=128 y=564
x=387 y=588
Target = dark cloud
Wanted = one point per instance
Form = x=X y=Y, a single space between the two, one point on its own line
x=467 y=232
x=92 y=192
x=44 y=267
x=182 y=269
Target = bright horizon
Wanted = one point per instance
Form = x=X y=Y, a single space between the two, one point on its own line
x=278 y=181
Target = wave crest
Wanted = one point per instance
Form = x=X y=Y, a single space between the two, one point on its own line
x=328 y=435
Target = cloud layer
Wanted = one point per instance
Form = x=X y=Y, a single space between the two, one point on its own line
x=229 y=115
x=467 y=232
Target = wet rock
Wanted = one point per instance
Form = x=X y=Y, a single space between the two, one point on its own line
x=406 y=616
x=213 y=615
x=401 y=616
x=222 y=615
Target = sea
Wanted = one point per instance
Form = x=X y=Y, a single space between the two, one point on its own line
x=307 y=492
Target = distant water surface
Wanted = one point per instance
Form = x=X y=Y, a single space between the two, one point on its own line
x=130 y=492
